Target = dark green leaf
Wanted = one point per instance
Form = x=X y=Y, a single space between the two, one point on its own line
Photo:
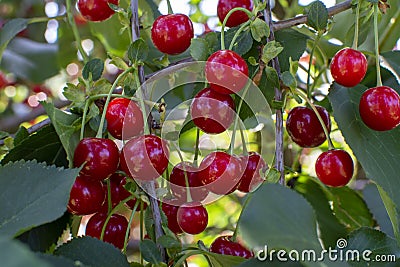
x=317 y=16
x=378 y=152
x=93 y=252
x=169 y=242
x=44 y=146
x=9 y=31
x=271 y=50
x=41 y=238
x=149 y=251
x=64 y=124
x=59 y=261
x=280 y=218
x=199 y=49
x=272 y=76
x=94 y=69
x=368 y=239
x=219 y=260
x=3 y=135
x=391 y=62
x=294 y=44
x=350 y=208
x=242 y=44
x=377 y=208
x=21 y=135
x=138 y=51
x=330 y=227
x=75 y=93
x=19 y=210
x=276 y=263
x=259 y=29
x=14 y=253
x=391 y=210
x=289 y=80
x=31 y=60
x=153 y=7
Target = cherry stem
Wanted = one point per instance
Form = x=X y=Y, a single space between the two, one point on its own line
x=103 y=116
x=356 y=26
x=188 y=195
x=103 y=229
x=237 y=33
x=376 y=37
x=85 y=110
x=141 y=228
x=249 y=13
x=129 y=225
x=310 y=63
x=170 y=11
x=244 y=145
x=109 y=200
x=197 y=149
x=75 y=31
x=321 y=121
x=141 y=99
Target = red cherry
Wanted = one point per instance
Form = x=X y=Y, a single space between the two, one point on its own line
x=101 y=156
x=226 y=71
x=86 y=196
x=115 y=229
x=237 y=17
x=145 y=157
x=124 y=118
x=171 y=211
x=304 y=127
x=178 y=183
x=172 y=33
x=380 y=108
x=192 y=218
x=251 y=177
x=334 y=167
x=348 y=67
x=223 y=245
x=96 y=10
x=211 y=111
x=220 y=172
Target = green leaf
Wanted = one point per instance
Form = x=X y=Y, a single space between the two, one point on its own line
x=242 y=44
x=368 y=239
x=138 y=51
x=259 y=29
x=13 y=253
x=46 y=201
x=75 y=93
x=219 y=260
x=317 y=16
x=169 y=242
x=41 y=238
x=3 y=135
x=92 y=252
x=280 y=218
x=391 y=62
x=199 y=49
x=391 y=210
x=276 y=263
x=374 y=201
x=272 y=76
x=10 y=30
x=330 y=227
x=118 y=62
x=289 y=80
x=294 y=44
x=31 y=60
x=350 y=208
x=44 y=146
x=59 y=261
x=94 y=69
x=21 y=135
x=64 y=125
x=378 y=152
x=271 y=50
x=149 y=251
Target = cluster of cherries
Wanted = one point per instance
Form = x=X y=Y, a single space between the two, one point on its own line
x=145 y=157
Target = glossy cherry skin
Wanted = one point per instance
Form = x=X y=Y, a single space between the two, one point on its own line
x=380 y=108
x=348 y=67
x=192 y=218
x=221 y=172
x=172 y=33
x=86 y=196
x=124 y=118
x=223 y=245
x=96 y=10
x=334 y=167
x=145 y=157
x=237 y=17
x=171 y=211
x=115 y=229
x=178 y=184
x=212 y=112
x=101 y=156
x=226 y=71
x=304 y=127
x=251 y=177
